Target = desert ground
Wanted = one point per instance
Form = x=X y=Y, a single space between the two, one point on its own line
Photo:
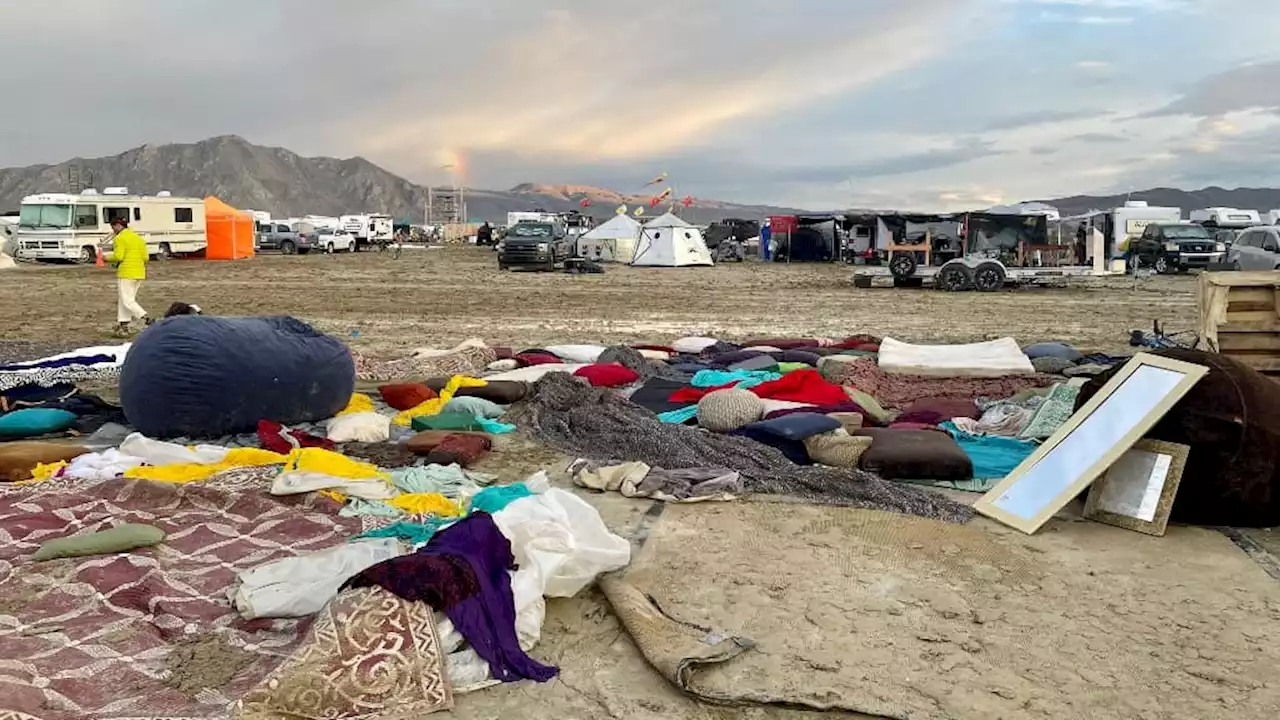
x=439 y=297
x=846 y=608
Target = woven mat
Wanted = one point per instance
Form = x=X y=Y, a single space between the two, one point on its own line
x=904 y=617
x=147 y=634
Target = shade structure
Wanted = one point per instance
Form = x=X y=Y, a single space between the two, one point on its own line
x=230 y=231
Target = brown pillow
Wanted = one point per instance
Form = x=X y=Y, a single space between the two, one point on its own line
x=933 y=411
x=503 y=392
x=427 y=440
x=17 y=459
x=914 y=455
x=402 y=396
x=460 y=449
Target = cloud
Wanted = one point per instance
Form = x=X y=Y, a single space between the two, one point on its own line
x=1244 y=87
x=921 y=103
x=1039 y=117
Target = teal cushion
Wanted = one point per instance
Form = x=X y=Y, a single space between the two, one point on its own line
x=475 y=407
x=30 y=422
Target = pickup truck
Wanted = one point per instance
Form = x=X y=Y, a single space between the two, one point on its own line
x=539 y=245
x=277 y=236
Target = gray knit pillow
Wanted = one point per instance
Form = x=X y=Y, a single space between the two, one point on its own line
x=727 y=410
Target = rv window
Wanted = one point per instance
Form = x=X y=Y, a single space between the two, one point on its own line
x=111 y=213
x=183 y=215
x=86 y=216
x=137 y=213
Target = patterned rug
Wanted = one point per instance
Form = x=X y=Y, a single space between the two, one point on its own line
x=146 y=634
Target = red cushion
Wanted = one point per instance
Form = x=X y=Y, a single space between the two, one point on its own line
x=402 y=396
x=539 y=359
x=608 y=375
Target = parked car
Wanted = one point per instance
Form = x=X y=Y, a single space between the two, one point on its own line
x=332 y=241
x=1256 y=248
x=541 y=245
x=278 y=236
x=1176 y=247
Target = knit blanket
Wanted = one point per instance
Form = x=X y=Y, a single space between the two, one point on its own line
x=600 y=425
x=149 y=633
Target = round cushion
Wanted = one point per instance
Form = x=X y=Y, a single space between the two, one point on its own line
x=1053 y=349
x=726 y=410
x=692 y=345
x=837 y=449
x=1050 y=364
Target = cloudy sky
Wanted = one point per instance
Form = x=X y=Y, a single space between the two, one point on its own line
x=929 y=104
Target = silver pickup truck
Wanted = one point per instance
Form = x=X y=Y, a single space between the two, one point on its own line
x=278 y=236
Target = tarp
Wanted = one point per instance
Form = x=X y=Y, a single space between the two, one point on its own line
x=230 y=231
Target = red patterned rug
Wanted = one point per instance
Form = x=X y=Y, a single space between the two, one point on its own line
x=150 y=633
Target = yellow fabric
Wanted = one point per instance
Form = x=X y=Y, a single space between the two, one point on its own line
x=435 y=405
x=359 y=404
x=191 y=472
x=43 y=471
x=426 y=504
x=334 y=495
x=333 y=464
x=130 y=251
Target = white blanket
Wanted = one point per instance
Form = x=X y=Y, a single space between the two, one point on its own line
x=994 y=358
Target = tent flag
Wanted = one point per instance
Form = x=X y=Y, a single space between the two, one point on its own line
x=687 y=201
x=657 y=180
x=656 y=199
x=621 y=210
x=584 y=202
x=638 y=211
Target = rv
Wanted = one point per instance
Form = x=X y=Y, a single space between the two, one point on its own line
x=1273 y=217
x=61 y=226
x=369 y=229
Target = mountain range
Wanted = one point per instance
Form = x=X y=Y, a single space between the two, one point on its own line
x=287 y=184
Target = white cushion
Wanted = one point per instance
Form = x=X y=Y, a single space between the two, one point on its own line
x=576 y=353
x=360 y=427
x=693 y=345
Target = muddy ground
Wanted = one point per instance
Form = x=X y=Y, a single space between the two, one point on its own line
x=442 y=296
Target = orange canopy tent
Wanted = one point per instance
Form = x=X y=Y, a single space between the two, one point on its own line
x=230 y=231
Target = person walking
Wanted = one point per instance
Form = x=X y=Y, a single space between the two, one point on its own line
x=129 y=253
x=766 y=237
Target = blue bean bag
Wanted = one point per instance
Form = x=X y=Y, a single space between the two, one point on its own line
x=199 y=376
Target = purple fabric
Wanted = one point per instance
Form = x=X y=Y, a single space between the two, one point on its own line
x=462 y=572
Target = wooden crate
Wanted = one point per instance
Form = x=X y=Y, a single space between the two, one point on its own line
x=1240 y=317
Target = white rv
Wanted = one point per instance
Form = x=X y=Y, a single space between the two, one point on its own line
x=370 y=229
x=1224 y=217
x=61 y=226
x=1123 y=224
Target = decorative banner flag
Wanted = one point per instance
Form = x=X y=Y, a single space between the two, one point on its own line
x=656 y=199
x=621 y=210
x=687 y=201
x=656 y=180
x=638 y=211
x=584 y=202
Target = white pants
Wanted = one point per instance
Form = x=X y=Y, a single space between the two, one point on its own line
x=127 y=307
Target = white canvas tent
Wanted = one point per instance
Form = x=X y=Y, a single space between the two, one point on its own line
x=614 y=241
x=668 y=241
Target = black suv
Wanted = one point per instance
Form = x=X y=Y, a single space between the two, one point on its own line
x=1175 y=247
x=534 y=245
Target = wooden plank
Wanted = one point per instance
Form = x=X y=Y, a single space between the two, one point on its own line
x=1252 y=278
x=1228 y=341
x=1242 y=299
x=1251 y=321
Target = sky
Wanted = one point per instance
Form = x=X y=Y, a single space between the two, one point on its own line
x=920 y=104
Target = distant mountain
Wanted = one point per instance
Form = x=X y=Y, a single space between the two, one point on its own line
x=287 y=184
x=1260 y=199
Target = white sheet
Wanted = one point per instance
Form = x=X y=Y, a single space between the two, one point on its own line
x=994 y=358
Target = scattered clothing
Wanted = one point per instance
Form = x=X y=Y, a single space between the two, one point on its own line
x=437 y=404
x=302 y=585
x=425 y=504
x=294 y=482
x=1058 y=407
x=993 y=457
x=463 y=572
x=807 y=386
x=601 y=426
x=497 y=497
x=414 y=533
x=359 y=403
x=280 y=439
x=326 y=462
x=193 y=472
x=1004 y=419
x=638 y=480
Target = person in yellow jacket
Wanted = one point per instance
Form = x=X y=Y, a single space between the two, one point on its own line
x=129 y=252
